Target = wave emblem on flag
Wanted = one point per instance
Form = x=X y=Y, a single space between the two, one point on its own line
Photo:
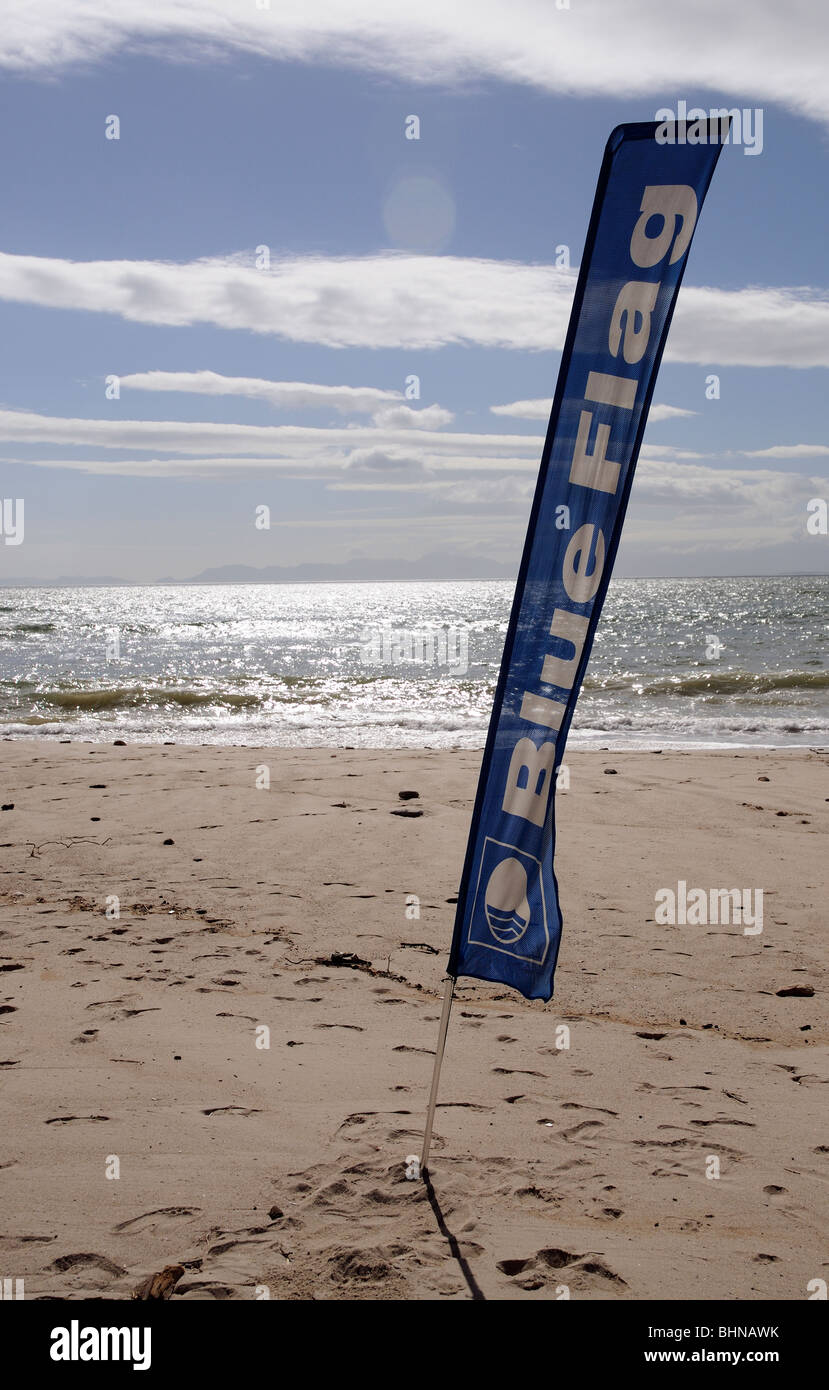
x=508 y=878
x=508 y=919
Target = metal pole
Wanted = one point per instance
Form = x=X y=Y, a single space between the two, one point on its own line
x=448 y=995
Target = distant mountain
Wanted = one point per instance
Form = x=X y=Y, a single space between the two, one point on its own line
x=430 y=567
x=435 y=566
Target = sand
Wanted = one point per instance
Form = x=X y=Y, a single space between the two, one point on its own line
x=129 y=1044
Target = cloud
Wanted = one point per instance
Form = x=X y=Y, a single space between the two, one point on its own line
x=758 y=48
x=433 y=417
x=391 y=300
x=667 y=412
x=513 y=492
x=284 y=395
x=298 y=447
x=415 y=302
x=789 y=451
x=697 y=509
x=691 y=509
x=525 y=410
x=217 y=466
x=691 y=495
x=761 y=490
x=395 y=300
x=657 y=451
x=540 y=410
x=497 y=492
x=383 y=461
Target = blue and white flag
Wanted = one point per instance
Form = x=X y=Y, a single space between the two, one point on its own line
x=650 y=191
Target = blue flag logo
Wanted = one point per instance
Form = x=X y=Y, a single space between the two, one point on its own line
x=509 y=879
x=508 y=922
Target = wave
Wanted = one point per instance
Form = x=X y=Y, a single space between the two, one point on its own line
x=137 y=696
x=31 y=627
x=688 y=727
x=717 y=683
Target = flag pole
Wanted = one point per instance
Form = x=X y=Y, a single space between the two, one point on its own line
x=448 y=995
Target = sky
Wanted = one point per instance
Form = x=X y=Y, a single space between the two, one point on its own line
x=232 y=305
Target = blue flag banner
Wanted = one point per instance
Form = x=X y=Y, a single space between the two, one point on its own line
x=650 y=191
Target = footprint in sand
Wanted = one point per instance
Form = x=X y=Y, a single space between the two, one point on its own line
x=362 y=1117
x=368 y=1267
x=581 y=1131
x=150 y=1220
x=561 y=1268
x=537 y=1271
x=574 y=1105
x=327 y=1195
x=725 y=1120
x=66 y=1262
x=231 y=1110
x=68 y=1119
x=464 y=1105
x=515 y=1071
x=534 y=1194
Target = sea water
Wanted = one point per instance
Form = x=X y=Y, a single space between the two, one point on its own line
x=676 y=662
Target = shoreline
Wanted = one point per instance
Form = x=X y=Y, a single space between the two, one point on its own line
x=655 y=746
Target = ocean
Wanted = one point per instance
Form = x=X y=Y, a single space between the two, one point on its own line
x=676 y=663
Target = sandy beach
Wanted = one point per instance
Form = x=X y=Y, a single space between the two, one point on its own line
x=134 y=1043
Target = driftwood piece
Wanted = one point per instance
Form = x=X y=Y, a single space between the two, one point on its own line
x=160 y=1285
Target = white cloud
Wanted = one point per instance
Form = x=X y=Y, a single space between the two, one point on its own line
x=758 y=49
x=686 y=496
x=525 y=410
x=691 y=494
x=417 y=302
x=393 y=300
x=511 y=492
x=789 y=451
x=284 y=395
x=667 y=412
x=432 y=417
x=298 y=447
x=540 y=410
x=761 y=490
x=658 y=451
x=693 y=509
x=216 y=466
x=383 y=461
